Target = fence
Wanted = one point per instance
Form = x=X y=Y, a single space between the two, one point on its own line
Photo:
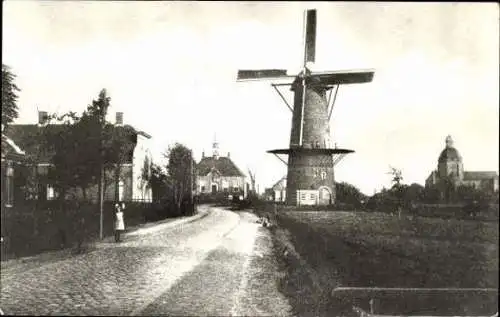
x=363 y=250
x=33 y=227
x=382 y=301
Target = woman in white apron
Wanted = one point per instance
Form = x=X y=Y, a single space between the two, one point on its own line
x=119 y=222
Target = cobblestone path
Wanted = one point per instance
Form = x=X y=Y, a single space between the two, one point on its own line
x=198 y=268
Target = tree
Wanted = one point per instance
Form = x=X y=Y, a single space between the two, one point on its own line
x=180 y=172
x=252 y=182
x=448 y=187
x=397 y=188
x=414 y=193
x=118 y=144
x=349 y=194
x=158 y=182
x=9 y=96
x=432 y=194
x=397 y=176
x=86 y=148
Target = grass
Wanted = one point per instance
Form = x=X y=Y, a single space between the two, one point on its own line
x=372 y=249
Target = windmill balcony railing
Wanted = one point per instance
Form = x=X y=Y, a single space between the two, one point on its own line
x=416 y=302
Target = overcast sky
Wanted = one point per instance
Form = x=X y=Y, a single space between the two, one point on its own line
x=171 y=68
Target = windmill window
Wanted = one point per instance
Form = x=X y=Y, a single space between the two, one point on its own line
x=323 y=175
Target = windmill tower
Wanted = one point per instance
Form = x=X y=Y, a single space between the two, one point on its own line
x=311 y=157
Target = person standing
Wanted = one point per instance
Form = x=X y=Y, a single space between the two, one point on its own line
x=119 y=222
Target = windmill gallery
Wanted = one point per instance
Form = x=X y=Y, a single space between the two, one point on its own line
x=311 y=157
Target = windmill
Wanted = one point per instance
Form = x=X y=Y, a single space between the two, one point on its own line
x=311 y=157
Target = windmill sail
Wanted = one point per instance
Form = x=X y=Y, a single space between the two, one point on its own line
x=310 y=37
x=344 y=77
x=261 y=74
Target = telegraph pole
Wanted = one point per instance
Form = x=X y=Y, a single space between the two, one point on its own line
x=192 y=182
x=101 y=184
x=101 y=204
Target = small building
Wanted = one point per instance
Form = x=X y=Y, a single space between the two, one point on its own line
x=125 y=183
x=277 y=192
x=450 y=168
x=218 y=177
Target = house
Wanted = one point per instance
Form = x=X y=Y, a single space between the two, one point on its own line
x=450 y=167
x=218 y=176
x=126 y=183
x=277 y=192
x=12 y=157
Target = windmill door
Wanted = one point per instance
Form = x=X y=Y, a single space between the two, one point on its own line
x=324 y=196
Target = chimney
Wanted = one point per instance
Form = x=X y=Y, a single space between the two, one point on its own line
x=228 y=154
x=203 y=154
x=42 y=117
x=119 y=118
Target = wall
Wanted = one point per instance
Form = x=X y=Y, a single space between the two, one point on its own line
x=222 y=182
x=309 y=171
x=316 y=128
x=142 y=155
x=41 y=188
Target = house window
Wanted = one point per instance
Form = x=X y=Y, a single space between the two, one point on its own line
x=42 y=192
x=50 y=192
x=121 y=187
x=313 y=196
x=9 y=184
x=236 y=189
x=225 y=189
x=202 y=189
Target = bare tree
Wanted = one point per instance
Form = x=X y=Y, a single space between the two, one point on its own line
x=396 y=174
x=252 y=180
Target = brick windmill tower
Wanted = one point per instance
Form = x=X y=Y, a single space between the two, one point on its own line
x=311 y=156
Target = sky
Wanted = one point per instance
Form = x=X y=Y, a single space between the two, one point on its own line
x=171 y=68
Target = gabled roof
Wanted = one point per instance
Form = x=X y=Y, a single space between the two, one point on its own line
x=223 y=165
x=481 y=175
x=280 y=185
x=11 y=150
x=25 y=136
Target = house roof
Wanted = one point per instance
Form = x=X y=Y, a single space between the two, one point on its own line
x=480 y=175
x=25 y=135
x=223 y=165
x=10 y=150
x=280 y=185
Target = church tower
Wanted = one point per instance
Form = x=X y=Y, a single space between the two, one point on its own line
x=450 y=162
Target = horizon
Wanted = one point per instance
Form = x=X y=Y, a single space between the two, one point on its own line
x=436 y=74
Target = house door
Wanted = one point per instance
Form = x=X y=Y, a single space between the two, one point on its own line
x=214 y=189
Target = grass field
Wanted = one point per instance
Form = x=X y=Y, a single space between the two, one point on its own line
x=374 y=249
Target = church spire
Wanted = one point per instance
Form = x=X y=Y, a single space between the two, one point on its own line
x=449 y=141
x=215 y=148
